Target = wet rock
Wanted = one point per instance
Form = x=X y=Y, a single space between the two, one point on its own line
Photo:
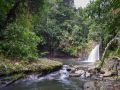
x=91 y=68
x=89 y=86
x=77 y=67
x=77 y=73
x=80 y=72
x=118 y=72
x=92 y=71
x=107 y=74
x=102 y=72
x=113 y=65
x=117 y=87
x=72 y=70
x=114 y=73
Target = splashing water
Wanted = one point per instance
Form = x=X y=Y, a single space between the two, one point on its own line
x=94 y=55
x=64 y=73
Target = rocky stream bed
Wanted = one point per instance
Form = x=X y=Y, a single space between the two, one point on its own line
x=74 y=75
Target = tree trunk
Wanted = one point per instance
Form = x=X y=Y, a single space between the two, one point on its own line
x=104 y=53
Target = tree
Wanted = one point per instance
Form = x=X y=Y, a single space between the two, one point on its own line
x=18 y=38
x=64 y=31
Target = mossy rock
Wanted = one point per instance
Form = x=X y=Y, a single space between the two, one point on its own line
x=22 y=66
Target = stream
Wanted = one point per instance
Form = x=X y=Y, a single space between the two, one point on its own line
x=54 y=81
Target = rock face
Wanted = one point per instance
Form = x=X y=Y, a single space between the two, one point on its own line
x=112 y=66
x=111 y=69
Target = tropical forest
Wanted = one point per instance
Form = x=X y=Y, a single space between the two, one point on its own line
x=59 y=44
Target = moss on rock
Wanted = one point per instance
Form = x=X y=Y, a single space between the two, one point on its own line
x=8 y=67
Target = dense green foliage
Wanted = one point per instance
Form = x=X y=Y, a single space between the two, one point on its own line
x=29 y=28
x=105 y=15
x=17 y=36
x=64 y=30
x=105 y=21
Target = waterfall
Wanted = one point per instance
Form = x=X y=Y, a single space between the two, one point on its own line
x=94 y=55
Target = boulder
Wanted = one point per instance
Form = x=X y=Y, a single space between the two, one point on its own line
x=107 y=74
x=80 y=72
x=90 y=86
x=72 y=70
x=91 y=68
x=77 y=73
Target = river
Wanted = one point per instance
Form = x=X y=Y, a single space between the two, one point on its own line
x=54 y=82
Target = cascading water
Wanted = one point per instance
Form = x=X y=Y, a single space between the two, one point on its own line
x=64 y=73
x=94 y=55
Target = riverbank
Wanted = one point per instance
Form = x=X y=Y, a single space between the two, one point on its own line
x=61 y=82
x=11 y=70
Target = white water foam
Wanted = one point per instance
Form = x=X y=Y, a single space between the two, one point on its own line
x=94 y=55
